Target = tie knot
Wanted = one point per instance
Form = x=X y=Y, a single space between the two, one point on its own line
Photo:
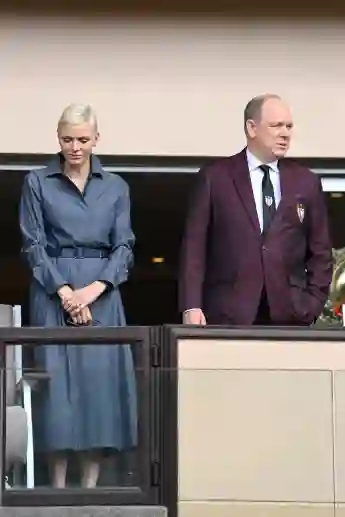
x=265 y=169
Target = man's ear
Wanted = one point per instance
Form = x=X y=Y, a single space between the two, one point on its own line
x=251 y=128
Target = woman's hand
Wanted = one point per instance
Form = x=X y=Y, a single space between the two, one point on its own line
x=65 y=293
x=76 y=301
x=84 y=317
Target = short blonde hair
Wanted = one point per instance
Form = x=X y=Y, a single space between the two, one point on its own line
x=78 y=114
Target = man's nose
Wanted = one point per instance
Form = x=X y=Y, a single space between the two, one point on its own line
x=285 y=131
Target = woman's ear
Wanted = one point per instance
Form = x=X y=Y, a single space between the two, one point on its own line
x=96 y=139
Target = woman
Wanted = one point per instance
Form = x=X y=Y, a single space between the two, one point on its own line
x=77 y=237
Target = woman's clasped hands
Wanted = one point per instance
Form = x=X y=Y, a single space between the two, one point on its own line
x=76 y=302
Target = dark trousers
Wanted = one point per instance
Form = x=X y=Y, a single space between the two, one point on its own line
x=263 y=316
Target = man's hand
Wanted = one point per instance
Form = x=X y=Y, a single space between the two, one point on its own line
x=194 y=317
x=79 y=299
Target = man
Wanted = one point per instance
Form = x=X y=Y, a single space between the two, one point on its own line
x=256 y=248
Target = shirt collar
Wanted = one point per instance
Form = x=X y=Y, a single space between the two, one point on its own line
x=54 y=168
x=254 y=162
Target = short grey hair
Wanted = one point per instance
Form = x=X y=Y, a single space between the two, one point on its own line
x=253 y=109
x=78 y=114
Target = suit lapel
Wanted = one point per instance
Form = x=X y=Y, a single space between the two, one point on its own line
x=244 y=189
x=287 y=181
x=287 y=184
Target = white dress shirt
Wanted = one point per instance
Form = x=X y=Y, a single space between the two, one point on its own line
x=256 y=176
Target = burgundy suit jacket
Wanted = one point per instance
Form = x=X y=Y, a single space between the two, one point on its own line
x=226 y=261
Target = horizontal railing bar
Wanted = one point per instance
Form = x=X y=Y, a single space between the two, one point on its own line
x=256 y=333
x=73 y=335
x=100 y=496
x=124 y=335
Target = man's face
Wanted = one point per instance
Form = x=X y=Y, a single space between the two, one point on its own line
x=271 y=134
x=77 y=142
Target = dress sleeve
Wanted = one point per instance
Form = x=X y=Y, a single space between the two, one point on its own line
x=120 y=260
x=34 y=238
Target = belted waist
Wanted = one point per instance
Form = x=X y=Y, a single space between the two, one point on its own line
x=79 y=253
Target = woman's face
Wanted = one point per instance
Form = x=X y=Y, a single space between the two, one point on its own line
x=76 y=142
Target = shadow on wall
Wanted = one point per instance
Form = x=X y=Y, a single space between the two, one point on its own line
x=264 y=8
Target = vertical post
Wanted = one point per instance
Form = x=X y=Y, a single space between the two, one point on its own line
x=27 y=401
x=17 y=322
x=2 y=418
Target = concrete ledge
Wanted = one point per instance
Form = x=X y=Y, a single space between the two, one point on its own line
x=86 y=511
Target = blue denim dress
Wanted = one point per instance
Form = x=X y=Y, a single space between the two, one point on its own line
x=89 y=401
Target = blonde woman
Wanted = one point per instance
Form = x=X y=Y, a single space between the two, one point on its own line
x=77 y=237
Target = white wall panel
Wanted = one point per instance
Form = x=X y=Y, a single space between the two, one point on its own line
x=170 y=87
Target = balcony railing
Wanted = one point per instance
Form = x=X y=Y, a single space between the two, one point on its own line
x=219 y=410
x=142 y=487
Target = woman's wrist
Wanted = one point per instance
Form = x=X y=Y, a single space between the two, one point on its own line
x=64 y=291
x=100 y=286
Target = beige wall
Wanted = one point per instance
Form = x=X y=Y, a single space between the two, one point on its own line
x=173 y=87
x=261 y=427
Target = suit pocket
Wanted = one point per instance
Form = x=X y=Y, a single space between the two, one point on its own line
x=295 y=215
x=298 y=281
x=300 y=299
